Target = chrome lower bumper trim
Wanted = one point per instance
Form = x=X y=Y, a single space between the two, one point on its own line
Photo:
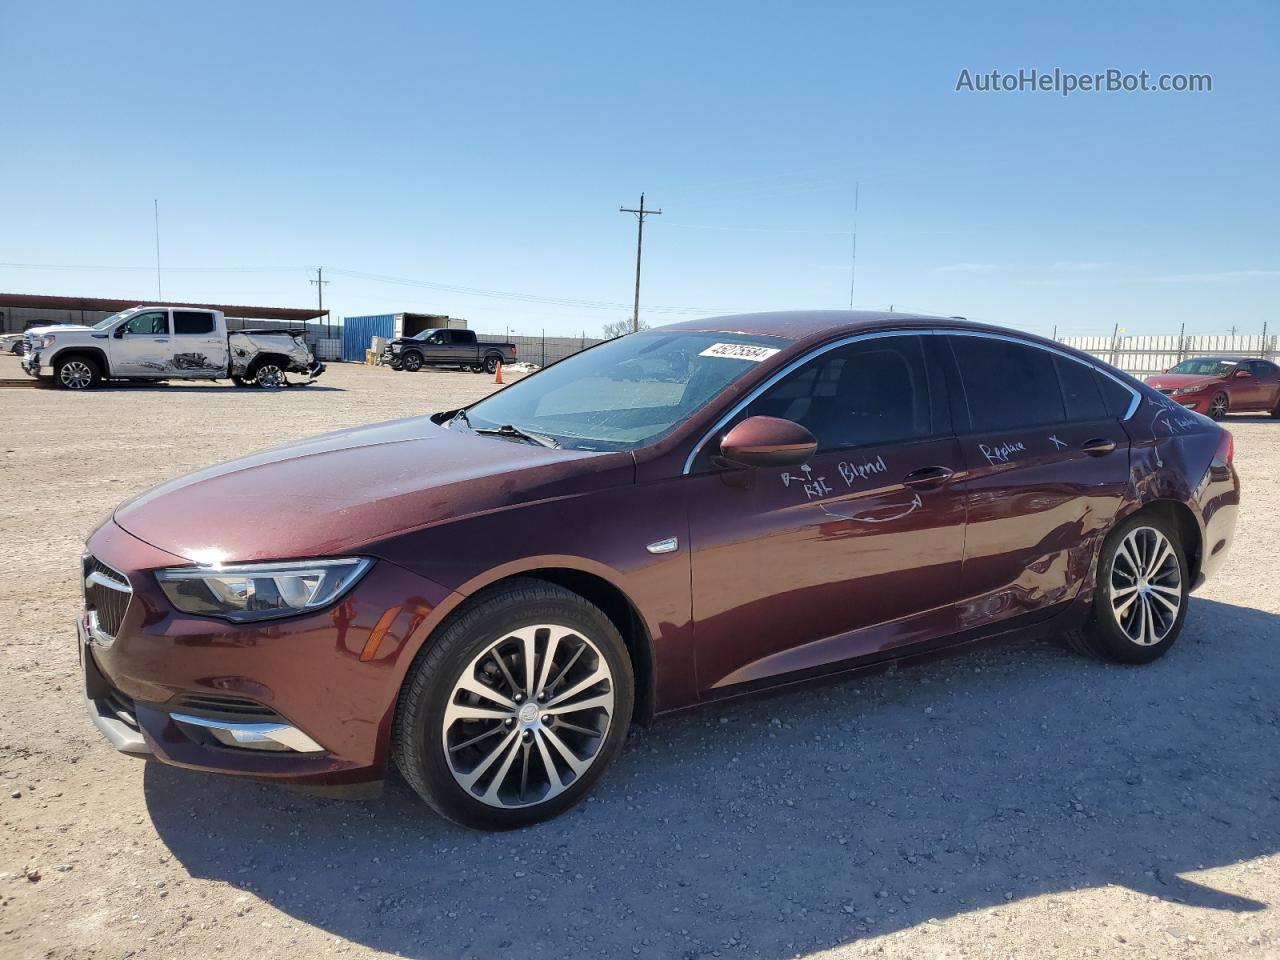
x=251 y=733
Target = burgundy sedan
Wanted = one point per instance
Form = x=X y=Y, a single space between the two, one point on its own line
x=486 y=598
x=1216 y=386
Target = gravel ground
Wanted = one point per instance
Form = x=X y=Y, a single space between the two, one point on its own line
x=1015 y=802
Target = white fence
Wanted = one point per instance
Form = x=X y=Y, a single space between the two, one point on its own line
x=1143 y=356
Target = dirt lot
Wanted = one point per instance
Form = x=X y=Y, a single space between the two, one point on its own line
x=1019 y=802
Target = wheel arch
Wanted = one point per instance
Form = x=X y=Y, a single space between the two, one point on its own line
x=591 y=585
x=279 y=358
x=1183 y=520
x=96 y=354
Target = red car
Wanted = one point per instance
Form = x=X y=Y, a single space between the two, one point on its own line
x=1216 y=386
x=486 y=598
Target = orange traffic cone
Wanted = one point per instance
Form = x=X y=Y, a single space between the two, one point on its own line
x=497 y=374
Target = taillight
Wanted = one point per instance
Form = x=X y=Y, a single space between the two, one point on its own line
x=1226 y=448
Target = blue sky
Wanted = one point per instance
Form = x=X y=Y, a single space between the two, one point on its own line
x=489 y=147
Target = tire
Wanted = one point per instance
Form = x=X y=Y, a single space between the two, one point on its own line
x=491 y=364
x=411 y=362
x=77 y=372
x=1111 y=635
x=16 y=349
x=269 y=375
x=1218 y=406
x=436 y=752
x=1275 y=411
x=476 y=368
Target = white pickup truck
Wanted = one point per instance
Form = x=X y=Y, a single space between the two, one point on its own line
x=166 y=343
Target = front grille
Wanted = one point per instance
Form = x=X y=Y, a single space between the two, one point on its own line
x=107 y=594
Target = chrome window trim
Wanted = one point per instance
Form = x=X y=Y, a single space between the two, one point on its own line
x=879 y=334
x=1136 y=396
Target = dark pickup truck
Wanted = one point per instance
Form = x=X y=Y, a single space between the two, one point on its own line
x=449 y=348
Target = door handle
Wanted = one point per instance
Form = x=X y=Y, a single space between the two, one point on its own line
x=1098 y=447
x=160 y=340
x=927 y=478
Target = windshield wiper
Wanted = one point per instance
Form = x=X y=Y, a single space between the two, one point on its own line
x=507 y=430
x=461 y=415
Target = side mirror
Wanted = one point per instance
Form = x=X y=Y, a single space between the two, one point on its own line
x=768 y=442
x=120 y=332
x=1242 y=374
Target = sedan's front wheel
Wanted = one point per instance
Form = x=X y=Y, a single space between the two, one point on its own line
x=512 y=713
x=1140 y=598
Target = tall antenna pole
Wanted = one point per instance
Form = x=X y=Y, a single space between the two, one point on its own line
x=159 y=294
x=853 y=258
x=640 y=215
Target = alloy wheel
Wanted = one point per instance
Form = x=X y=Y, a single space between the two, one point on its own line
x=1146 y=586
x=75 y=375
x=1218 y=409
x=528 y=716
x=270 y=377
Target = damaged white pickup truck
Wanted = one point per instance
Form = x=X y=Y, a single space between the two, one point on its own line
x=166 y=343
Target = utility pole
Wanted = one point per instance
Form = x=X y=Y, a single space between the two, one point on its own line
x=159 y=295
x=320 y=282
x=640 y=215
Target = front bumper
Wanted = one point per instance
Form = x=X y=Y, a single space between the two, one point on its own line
x=308 y=699
x=30 y=364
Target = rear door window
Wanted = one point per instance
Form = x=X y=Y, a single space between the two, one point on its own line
x=1080 y=390
x=192 y=322
x=1007 y=384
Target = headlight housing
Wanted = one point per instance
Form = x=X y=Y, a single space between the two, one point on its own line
x=260 y=591
x=1183 y=391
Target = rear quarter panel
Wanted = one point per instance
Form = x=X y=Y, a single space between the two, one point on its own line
x=1172 y=458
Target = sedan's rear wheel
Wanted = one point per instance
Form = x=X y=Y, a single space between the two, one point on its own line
x=1141 y=593
x=1218 y=406
x=516 y=709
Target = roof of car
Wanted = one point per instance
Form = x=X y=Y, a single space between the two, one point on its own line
x=803 y=324
x=1240 y=359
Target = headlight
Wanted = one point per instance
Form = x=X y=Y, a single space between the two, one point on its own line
x=1182 y=391
x=42 y=342
x=260 y=591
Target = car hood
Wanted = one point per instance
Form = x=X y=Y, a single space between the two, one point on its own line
x=340 y=492
x=1170 y=381
x=58 y=327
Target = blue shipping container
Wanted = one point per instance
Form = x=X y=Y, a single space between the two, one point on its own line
x=358 y=334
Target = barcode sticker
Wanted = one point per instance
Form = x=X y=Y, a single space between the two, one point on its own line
x=739 y=351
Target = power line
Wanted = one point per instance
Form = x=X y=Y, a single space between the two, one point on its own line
x=640 y=215
x=521 y=297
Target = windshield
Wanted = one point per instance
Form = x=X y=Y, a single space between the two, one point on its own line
x=1205 y=367
x=626 y=392
x=108 y=321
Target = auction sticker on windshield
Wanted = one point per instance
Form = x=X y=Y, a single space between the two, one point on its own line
x=739 y=351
